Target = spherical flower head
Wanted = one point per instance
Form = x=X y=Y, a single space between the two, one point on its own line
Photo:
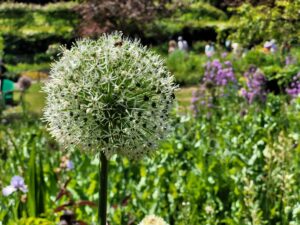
x=110 y=95
x=152 y=220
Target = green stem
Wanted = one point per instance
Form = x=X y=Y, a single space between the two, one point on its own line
x=102 y=205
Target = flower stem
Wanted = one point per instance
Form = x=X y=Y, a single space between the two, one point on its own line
x=102 y=204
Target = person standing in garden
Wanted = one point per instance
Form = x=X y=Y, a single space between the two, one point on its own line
x=7 y=86
x=172 y=46
x=236 y=49
x=209 y=49
x=182 y=44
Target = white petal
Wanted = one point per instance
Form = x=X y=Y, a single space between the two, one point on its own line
x=8 y=190
x=24 y=189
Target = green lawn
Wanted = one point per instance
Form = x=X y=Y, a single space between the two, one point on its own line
x=184 y=96
x=34 y=100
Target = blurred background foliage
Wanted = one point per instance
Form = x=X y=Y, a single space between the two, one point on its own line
x=31 y=33
x=234 y=163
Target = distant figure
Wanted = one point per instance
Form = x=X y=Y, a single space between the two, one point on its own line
x=267 y=47
x=209 y=50
x=7 y=86
x=172 y=46
x=270 y=46
x=23 y=83
x=228 y=45
x=182 y=44
x=285 y=48
x=273 y=46
x=236 y=49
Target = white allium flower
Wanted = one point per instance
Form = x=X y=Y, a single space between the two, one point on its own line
x=111 y=95
x=152 y=220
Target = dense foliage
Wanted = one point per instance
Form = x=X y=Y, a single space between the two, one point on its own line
x=100 y=16
x=233 y=154
x=279 y=21
x=232 y=160
x=28 y=30
x=188 y=68
x=235 y=163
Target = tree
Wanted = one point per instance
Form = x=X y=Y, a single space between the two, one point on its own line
x=255 y=24
x=236 y=3
x=127 y=15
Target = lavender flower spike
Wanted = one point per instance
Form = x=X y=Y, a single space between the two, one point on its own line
x=16 y=183
x=294 y=89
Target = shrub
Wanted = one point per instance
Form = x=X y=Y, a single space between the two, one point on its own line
x=255 y=24
x=187 y=68
x=199 y=11
x=28 y=29
x=199 y=46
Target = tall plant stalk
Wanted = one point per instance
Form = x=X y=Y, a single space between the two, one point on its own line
x=124 y=98
x=102 y=204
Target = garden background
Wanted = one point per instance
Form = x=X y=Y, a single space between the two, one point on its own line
x=233 y=155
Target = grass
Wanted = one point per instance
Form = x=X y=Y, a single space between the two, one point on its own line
x=184 y=96
x=21 y=67
x=34 y=100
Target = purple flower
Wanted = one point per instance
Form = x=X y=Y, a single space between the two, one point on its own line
x=209 y=50
x=294 y=89
x=16 y=183
x=219 y=74
x=228 y=64
x=69 y=165
x=288 y=60
x=217 y=78
x=217 y=64
x=255 y=85
x=209 y=53
x=224 y=54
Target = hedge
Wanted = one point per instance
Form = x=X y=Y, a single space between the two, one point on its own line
x=28 y=29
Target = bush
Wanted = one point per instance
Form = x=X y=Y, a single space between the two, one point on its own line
x=199 y=46
x=187 y=68
x=199 y=11
x=28 y=29
x=266 y=59
x=255 y=24
x=283 y=75
x=193 y=21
